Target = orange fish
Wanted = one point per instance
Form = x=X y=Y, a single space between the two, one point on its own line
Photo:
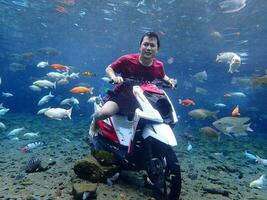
x=82 y=90
x=227 y=95
x=60 y=67
x=235 y=112
x=61 y=9
x=186 y=102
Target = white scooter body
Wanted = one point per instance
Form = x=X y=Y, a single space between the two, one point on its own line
x=156 y=128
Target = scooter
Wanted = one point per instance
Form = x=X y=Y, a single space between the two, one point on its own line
x=144 y=141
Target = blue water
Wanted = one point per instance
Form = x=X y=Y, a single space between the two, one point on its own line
x=89 y=35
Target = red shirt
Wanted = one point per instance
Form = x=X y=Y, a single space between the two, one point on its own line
x=129 y=66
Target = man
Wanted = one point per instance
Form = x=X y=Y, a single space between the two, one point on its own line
x=142 y=66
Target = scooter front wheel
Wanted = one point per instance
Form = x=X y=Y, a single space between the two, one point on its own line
x=164 y=174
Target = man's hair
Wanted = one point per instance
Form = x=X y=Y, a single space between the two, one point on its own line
x=151 y=35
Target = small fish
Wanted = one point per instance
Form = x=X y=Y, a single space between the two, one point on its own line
x=42 y=64
x=238 y=94
x=189 y=147
x=58 y=113
x=227 y=95
x=89 y=74
x=15 y=131
x=7 y=94
x=82 y=90
x=31 y=146
x=2 y=126
x=236 y=112
x=31 y=134
x=106 y=79
x=86 y=195
x=42 y=111
x=35 y=88
x=33 y=165
x=250 y=156
x=61 y=9
x=261 y=160
x=221 y=105
x=60 y=67
x=259 y=183
x=112 y=179
x=186 y=102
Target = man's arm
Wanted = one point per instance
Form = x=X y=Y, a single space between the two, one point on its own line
x=111 y=74
x=171 y=81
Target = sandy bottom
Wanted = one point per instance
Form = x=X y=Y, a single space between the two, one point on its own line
x=64 y=145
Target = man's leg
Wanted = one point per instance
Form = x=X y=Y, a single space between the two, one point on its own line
x=109 y=108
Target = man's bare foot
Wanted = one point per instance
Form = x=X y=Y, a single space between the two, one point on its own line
x=93 y=128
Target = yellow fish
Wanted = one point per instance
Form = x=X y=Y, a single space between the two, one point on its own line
x=89 y=74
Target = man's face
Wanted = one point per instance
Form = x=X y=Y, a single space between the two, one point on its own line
x=149 y=47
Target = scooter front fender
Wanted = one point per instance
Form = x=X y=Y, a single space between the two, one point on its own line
x=161 y=132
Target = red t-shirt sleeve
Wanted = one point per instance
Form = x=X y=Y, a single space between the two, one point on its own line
x=161 y=71
x=118 y=64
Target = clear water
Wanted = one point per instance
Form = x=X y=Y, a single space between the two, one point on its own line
x=89 y=35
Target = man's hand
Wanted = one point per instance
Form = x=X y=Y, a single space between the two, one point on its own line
x=117 y=79
x=172 y=82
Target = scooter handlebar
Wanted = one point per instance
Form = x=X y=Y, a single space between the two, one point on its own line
x=159 y=83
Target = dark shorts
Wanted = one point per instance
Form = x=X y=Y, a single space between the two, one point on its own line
x=127 y=104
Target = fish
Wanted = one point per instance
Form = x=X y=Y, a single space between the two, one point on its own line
x=113 y=179
x=201 y=76
x=88 y=74
x=44 y=84
x=186 y=102
x=230 y=58
x=42 y=64
x=31 y=134
x=106 y=79
x=216 y=35
x=238 y=94
x=45 y=99
x=235 y=125
x=7 y=94
x=74 y=75
x=221 y=105
x=82 y=90
x=60 y=67
x=210 y=133
x=61 y=9
x=259 y=81
x=3 y=111
x=201 y=90
x=15 y=131
x=231 y=6
x=14 y=67
x=35 y=88
x=33 y=165
x=63 y=81
x=261 y=160
x=31 y=146
x=41 y=111
x=58 y=113
x=70 y=101
x=189 y=147
x=259 y=183
x=54 y=76
x=250 y=156
x=201 y=114
x=242 y=81
x=0 y=80
x=2 y=126
x=236 y=112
